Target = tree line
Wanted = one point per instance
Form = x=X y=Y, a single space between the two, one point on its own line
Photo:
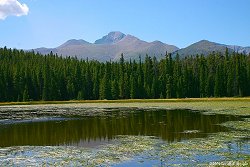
x=26 y=76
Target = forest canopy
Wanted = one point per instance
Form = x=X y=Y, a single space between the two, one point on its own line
x=28 y=76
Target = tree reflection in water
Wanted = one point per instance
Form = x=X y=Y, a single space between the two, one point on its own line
x=94 y=130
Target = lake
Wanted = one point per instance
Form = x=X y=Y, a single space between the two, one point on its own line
x=36 y=131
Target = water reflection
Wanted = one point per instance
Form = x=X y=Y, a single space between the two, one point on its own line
x=95 y=130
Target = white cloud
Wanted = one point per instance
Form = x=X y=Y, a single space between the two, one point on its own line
x=12 y=8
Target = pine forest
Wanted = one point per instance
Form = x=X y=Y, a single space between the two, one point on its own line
x=29 y=76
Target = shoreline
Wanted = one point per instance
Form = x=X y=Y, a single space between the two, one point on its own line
x=222 y=99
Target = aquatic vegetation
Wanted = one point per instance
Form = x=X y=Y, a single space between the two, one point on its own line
x=217 y=149
x=238 y=125
x=206 y=150
x=191 y=131
x=123 y=148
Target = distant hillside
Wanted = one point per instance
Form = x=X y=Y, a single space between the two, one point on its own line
x=110 y=47
x=205 y=47
x=202 y=47
x=239 y=49
x=74 y=42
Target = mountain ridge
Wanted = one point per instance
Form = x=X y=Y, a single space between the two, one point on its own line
x=110 y=47
x=115 y=43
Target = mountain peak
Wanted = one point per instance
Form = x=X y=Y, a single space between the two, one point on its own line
x=74 y=42
x=111 y=38
x=157 y=42
x=204 y=42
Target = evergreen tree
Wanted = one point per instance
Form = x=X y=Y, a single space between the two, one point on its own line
x=114 y=90
x=25 y=94
x=132 y=87
x=121 y=78
x=31 y=76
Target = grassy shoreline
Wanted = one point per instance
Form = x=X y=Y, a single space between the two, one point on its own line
x=231 y=106
x=246 y=99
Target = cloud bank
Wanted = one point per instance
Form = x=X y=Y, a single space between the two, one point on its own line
x=12 y=8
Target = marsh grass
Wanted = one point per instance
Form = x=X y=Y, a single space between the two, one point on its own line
x=223 y=147
x=229 y=106
x=125 y=149
x=131 y=101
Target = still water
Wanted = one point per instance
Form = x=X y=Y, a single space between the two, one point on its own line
x=91 y=130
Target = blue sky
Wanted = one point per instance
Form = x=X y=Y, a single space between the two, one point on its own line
x=49 y=23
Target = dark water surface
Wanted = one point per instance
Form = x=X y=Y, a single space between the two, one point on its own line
x=91 y=130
